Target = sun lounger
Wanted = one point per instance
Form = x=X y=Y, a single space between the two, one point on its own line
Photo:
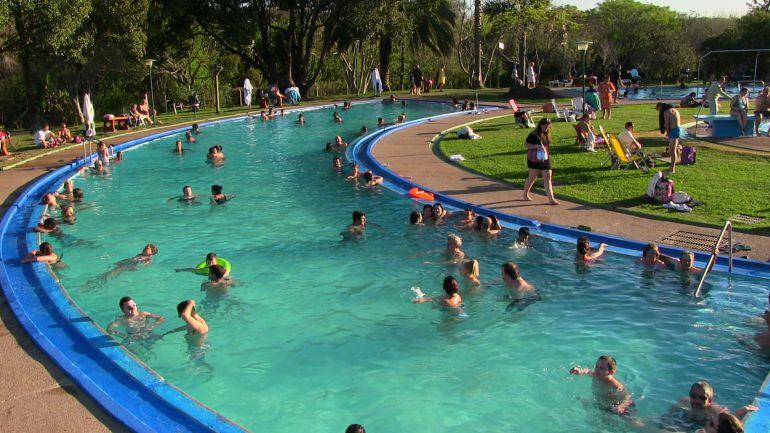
x=621 y=156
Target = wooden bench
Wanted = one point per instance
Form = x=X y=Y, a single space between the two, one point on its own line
x=120 y=121
x=725 y=125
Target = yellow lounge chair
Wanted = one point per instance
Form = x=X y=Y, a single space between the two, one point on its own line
x=619 y=155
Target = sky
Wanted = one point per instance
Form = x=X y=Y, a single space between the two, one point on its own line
x=708 y=8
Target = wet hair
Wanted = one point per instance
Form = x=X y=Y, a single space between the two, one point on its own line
x=457 y=240
x=426 y=207
x=301 y=116
x=511 y=270
x=49 y=223
x=478 y=222
x=437 y=206
x=328 y=147
x=415 y=217
x=583 y=245
x=613 y=365
x=355 y=428
x=185 y=187
x=690 y=256
x=728 y=423
x=629 y=124
x=367 y=176
x=181 y=306
x=335 y=159
x=357 y=215
x=380 y=120
x=708 y=390
x=495 y=223
x=213 y=150
x=194 y=127
x=68 y=210
x=45 y=248
x=218 y=271
x=211 y=256
x=649 y=247
x=216 y=189
x=364 y=129
x=524 y=232
x=471 y=267
x=77 y=193
x=47 y=198
x=451 y=287
x=123 y=301
x=153 y=248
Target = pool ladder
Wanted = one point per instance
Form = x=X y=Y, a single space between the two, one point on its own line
x=728 y=228
x=87 y=150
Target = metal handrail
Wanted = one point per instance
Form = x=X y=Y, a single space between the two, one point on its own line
x=728 y=227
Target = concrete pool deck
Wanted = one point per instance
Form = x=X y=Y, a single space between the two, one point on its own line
x=37 y=395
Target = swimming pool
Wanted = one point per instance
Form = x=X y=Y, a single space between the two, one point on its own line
x=320 y=333
x=652 y=91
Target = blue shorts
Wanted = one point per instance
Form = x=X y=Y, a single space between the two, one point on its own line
x=674 y=133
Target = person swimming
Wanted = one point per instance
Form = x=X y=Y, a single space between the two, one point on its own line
x=216 y=155
x=336 y=117
x=427 y=214
x=470 y=270
x=44 y=254
x=301 y=119
x=415 y=218
x=356 y=229
x=218 y=197
x=698 y=408
x=68 y=215
x=439 y=214
x=134 y=321
x=523 y=239
x=195 y=129
x=584 y=252
x=451 y=298
x=339 y=144
x=520 y=291
x=610 y=393
x=466 y=219
x=353 y=173
x=130 y=264
x=364 y=131
x=189 y=137
x=453 y=252
x=178 y=147
x=211 y=260
x=218 y=279
x=187 y=196
x=49 y=200
x=651 y=256
x=195 y=324
x=371 y=180
x=337 y=164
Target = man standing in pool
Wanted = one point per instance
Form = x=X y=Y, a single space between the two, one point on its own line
x=134 y=321
x=356 y=229
x=699 y=407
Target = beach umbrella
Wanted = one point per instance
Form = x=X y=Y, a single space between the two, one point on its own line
x=247 y=89
x=88 y=116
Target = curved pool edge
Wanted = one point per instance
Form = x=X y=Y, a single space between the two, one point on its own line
x=361 y=153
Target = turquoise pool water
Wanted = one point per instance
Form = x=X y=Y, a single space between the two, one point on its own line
x=652 y=91
x=320 y=333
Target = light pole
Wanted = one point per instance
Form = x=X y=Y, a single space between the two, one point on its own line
x=583 y=46
x=149 y=63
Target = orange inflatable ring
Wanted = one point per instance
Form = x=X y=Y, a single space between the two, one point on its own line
x=420 y=194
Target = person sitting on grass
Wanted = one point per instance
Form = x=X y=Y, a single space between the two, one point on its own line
x=587 y=132
x=689 y=101
x=276 y=92
x=64 y=133
x=5 y=141
x=44 y=138
x=144 y=110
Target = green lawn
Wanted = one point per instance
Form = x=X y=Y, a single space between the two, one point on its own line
x=728 y=183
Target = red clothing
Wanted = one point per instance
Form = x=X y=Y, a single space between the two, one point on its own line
x=605 y=94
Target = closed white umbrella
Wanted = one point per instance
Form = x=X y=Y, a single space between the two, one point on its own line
x=88 y=116
x=247 y=89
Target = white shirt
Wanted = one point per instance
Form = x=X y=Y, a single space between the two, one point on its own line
x=40 y=137
x=627 y=139
x=531 y=71
x=376 y=75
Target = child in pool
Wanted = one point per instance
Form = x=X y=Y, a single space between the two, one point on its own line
x=415 y=218
x=67 y=188
x=439 y=214
x=49 y=200
x=217 y=197
x=651 y=256
x=339 y=144
x=427 y=214
x=494 y=226
x=337 y=164
x=189 y=137
x=523 y=239
x=301 y=119
x=218 y=279
x=178 y=147
x=196 y=325
x=48 y=226
x=610 y=393
x=686 y=262
x=521 y=292
x=371 y=180
x=134 y=320
x=584 y=252
x=336 y=117
x=466 y=219
x=454 y=253
x=187 y=195
x=356 y=229
x=131 y=264
x=470 y=270
x=354 y=173
x=68 y=215
x=451 y=298
x=44 y=254
x=211 y=260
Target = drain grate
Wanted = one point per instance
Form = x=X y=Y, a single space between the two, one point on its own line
x=747 y=219
x=695 y=241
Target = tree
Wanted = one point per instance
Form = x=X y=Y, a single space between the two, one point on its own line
x=763 y=5
x=741 y=35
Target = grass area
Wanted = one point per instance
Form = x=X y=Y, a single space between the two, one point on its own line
x=727 y=182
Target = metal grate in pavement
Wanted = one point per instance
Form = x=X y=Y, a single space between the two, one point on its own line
x=747 y=219
x=695 y=241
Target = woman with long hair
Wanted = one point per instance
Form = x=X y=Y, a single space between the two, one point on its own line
x=538 y=144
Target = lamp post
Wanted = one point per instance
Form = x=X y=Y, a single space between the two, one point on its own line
x=583 y=47
x=149 y=63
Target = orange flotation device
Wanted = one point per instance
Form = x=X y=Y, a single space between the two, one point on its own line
x=420 y=194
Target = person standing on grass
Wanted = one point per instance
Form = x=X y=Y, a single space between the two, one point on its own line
x=538 y=144
x=606 y=89
x=668 y=121
x=531 y=77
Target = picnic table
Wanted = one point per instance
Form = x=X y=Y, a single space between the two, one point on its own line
x=725 y=125
x=113 y=122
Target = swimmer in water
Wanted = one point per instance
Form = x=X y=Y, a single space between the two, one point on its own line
x=134 y=320
x=354 y=173
x=336 y=117
x=356 y=229
x=451 y=298
x=724 y=423
x=470 y=270
x=98 y=167
x=77 y=195
x=401 y=118
x=392 y=98
x=68 y=215
x=217 y=197
x=301 y=119
x=211 y=260
x=67 y=189
x=454 y=253
x=140 y=260
x=218 y=279
x=523 y=239
x=371 y=180
x=329 y=147
x=263 y=116
x=43 y=254
x=215 y=155
x=337 y=164
x=685 y=264
x=381 y=122
x=466 y=219
x=195 y=129
x=187 y=196
x=494 y=225
x=49 y=200
x=609 y=392
x=651 y=256
x=364 y=130
x=118 y=157
x=763 y=337
x=584 y=252
x=196 y=325
x=189 y=137
x=698 y=408
x=520 y=291
x=178 y=148
x=102 y=152
x=49 y=226
x=415 y=218
x=339 y=144
x=439 y=214
x=427 y=214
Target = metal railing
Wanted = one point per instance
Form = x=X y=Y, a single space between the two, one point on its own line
x=87 y=150
x=728 y=227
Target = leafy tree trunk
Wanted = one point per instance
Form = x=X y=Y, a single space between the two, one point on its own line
x=478 y=80
x=523 y=55
x=386 y=50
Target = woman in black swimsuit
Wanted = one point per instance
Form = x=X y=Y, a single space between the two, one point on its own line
x=217 y=197
x=538 y=144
